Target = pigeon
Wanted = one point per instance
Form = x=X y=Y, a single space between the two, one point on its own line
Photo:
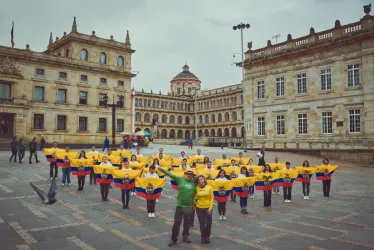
x=47 y=199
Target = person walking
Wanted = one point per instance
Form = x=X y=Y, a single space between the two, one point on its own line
x=42 y=143
x=32 y=147
x=14 y=148
x=106 y=143
x=190 y=143
x=21 y=150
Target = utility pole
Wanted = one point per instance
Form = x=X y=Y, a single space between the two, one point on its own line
x=276 y=38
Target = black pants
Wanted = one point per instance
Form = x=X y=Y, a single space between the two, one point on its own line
x=192 y=219
x=233 y=196
x=326 y=187
x=35 y=155
x=267 y=198
x=306 y=188
x=92 y=177
x=181 y=214
x=126 y=197
x=222 y=208
x=53 y=165
x=81 y=181
x=151 y=204
x=243 y=202
x=14 y=153
x=287 y=193
x=104 y=189
x=205 y=221
x=21 y=154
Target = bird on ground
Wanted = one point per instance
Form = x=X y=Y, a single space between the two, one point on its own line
x=50 y=198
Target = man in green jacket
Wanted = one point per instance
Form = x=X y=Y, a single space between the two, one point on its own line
x=185 y=204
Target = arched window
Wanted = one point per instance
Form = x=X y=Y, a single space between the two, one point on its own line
x=227 y=117
x=187 y=120
x=178 y=106
x=147 y=130
x=212 y=133
x=206 y=119
x=187 y=134
x=138 y=117
x=173 y=105
x=163 y=133
x=213 y=118
x=162 y=104
x=120 y=61
x=164 y=118
x=102 y=59
x=136 y=102
x=84 y=55
x=219 y=117
x=234 y=116
x=155 y=117
x=140 y=102
x=227 y=132
x=158 y=104
x=172 y=119
x=180 y=134
x=147 y=117
x=138 y=129
x=206 y=133
x=172 y=133
x=67 y=53
x=219 y=132
x=180 y=119
x=154 y=104
x=200 y=133
x=200 y=119
x=233 y=132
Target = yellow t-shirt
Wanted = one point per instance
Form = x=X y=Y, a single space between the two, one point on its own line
x=204 y=197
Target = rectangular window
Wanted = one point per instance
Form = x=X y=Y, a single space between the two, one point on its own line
x=189 y=91
x=5 y=92
x=61 y=122
x=102 y=124
x=303 y=124
x=101 y=99
x=354 y=121
x=61 y=96
x=261 y=126
x=325 y=79
x=326 y=122
x=280 y=125
x=178 y=91
x=241 y=99
x=39 y=72
x=261 y=90
x=82 y=123
x=353 y=75
x=102 y=80
x=82 y=97
x=280 y=86
x=63 y=75
x=301 y=83
x=120 y=125
x=38 y=121
x=39 y=94
x=84 y=78
x=121 y=83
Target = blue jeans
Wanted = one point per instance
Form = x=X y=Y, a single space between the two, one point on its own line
x=252 y=190
x=276 y=189
x=243 y=202
x=65 y=175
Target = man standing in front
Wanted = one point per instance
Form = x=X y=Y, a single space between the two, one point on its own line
x=32 y=147
x=190 y=143
x=106 y=143
x=185 y=203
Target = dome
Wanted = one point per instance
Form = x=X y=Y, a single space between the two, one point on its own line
x=186 y=74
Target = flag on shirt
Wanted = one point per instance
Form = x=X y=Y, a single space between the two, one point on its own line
x=63 y=158
x=50 y=153
x=266 y=181
x=242 y=185
x=305 y=174
x=149 y=188
x=325 y=172
x=221 y=189
x=208 y=174
x=232 y=172
x=104 y=174
x=287 y=177
x=12 y=35
x=81 y=167
x=125 y=179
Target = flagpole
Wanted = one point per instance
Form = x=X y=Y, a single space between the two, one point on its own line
x=12 y=35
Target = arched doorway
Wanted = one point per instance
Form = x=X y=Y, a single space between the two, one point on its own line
x=200 y=133
x=219 y=132
x=212 y=133
x=233 y=132
x=137 y=130
x=227 y=132
x=180 y=134
x=164 y=133
x=206 y=133
x=187 y=134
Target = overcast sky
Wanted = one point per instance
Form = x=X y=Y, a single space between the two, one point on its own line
x=166 y=33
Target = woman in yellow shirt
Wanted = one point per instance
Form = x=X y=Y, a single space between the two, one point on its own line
x=204 y=205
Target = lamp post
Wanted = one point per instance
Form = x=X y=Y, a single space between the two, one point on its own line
x=195 y=97
x=114 y=106
x=241 y=27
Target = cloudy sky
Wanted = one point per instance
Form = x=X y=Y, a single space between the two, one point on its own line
x=167 y=33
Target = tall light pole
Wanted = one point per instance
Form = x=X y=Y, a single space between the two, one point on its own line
x=195 y=97
x=241 y=27
x=114 y=106
x=276 y=38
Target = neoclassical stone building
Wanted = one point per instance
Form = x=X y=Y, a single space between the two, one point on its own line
x=60 y=93
x=314 y=91
x=219 y=112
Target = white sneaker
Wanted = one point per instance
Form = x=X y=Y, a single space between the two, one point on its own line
x=134 y=194
x=149 y=215
x=220 y=217
x=63 y=184
x=307 y=197
x=51 y=178
x=289 y=201
x=69 y=184
x=304 y=197
x=252 y=197
x=223 y=217
x=278 y=192
x=153 y=215
x=286 y=201
x=273 y=192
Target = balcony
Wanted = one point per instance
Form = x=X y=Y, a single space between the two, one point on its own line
x=5 y=100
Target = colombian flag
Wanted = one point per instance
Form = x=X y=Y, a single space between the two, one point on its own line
x=104 y=174
x=221 y=189
x=165 y=157
x=122 y=154
x=143 y=159
x=95 y=157
x=115 y=160
x=136 y=165
x=208 y=174
x=125 y=179
x=81 y=167
x=266 y=181
x=178 y=172
x=159 y=173
x=277 y=166
x=252 y=168
x=325 y=172
x=63 y=158
x=287 y=177
x=50 y=153
x=149 y=188
x=242 y=185
x=166 y=164
x=176 y=162
x=240 y=161
x=201 y=166
x=232 y=172
x=305 y=174
x=222 y=163
x=193 y=160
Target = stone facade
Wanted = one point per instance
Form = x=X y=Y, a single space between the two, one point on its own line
x=59 y=93
x=313 y=92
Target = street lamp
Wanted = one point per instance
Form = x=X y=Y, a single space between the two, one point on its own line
x=195 y=97
x=241 y=27
x=114 y=106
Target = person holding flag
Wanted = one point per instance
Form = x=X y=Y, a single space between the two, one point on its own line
x=221 y=194
x=288 y=175
x=304 y=177
x=324 y=173
x=244 y=195
x=151 y=204
x=81 y=178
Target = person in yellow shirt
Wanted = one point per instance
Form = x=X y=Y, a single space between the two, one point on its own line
x=204 y=200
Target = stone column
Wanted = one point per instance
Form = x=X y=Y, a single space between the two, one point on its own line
x=367 y=114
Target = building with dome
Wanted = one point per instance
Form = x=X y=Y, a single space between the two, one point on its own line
x=171 y=118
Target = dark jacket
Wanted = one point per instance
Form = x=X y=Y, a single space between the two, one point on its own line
x=33 y=145
x=14 y=145
x=21 y=147
x=261 y=162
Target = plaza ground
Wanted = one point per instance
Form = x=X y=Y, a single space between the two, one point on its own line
x=80 y=220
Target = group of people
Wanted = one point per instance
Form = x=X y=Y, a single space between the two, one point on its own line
x=18 y=148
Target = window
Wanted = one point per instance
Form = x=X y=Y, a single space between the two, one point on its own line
x=61 y=122
x=63 y=75
x=120 y=125
x=354 y=121
x=4 y=92
x=219 y=117
x=84 y=55
x=280 y=125
x=147 y=117
x=325 y=79
x=187 y=120
x=120 y=61
x=178 y=91
x=38 y=121
x=101 y=99
x=82 y=124
x=180 y=119
x=61 y=98
x=82 y=97
x=234 y=116
x=102 y=124
x=121 y=83
x=102 y=80
x=241 y=99
x=102 y=58
x=261 y=126
x=189 y=91
x=227 y=117
x=303 y=124
x=301 y=83
x=84 y=78
x=39 y=72
x=172 y=119
x=326 y=122
x=353 y=75
x=200 y=119
x=39 y=94
x=280 y=86
x=260 y=90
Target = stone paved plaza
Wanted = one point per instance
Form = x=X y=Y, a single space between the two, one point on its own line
x=80 y=220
